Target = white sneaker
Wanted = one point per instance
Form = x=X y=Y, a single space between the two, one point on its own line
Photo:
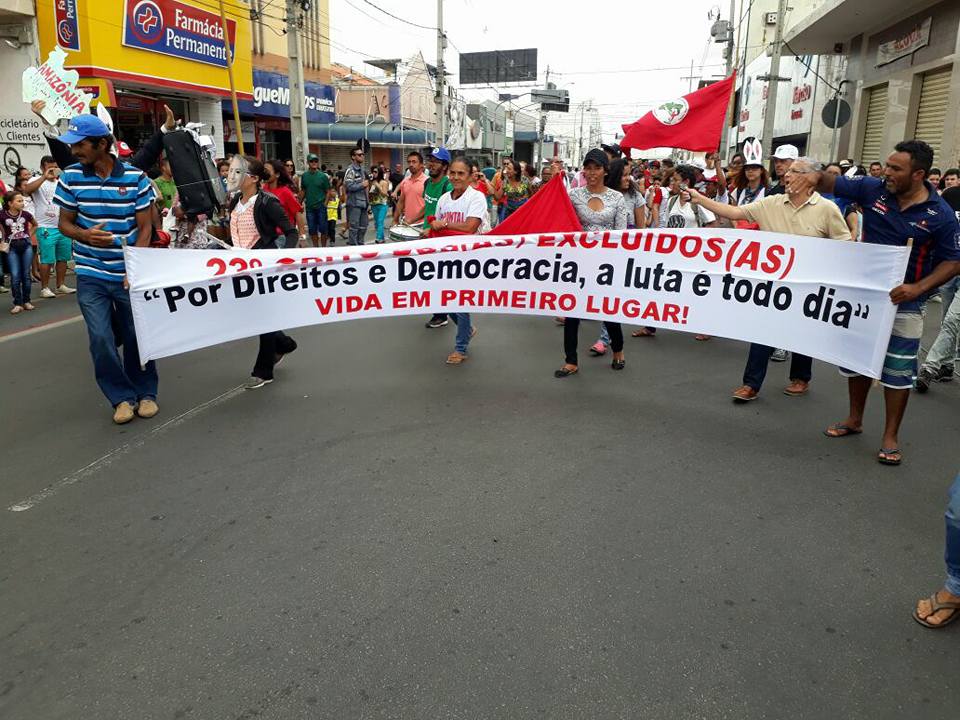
x=64 y=290
x=47 y=293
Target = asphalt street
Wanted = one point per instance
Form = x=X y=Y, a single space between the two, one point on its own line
x=379 y=535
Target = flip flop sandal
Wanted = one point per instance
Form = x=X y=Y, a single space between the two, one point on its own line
x=890 y=456
x=564 y=372
x=936 y=606
x=841 y=430
x=618 y=364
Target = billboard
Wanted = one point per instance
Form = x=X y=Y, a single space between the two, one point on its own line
x=498 y=66
x=68 y=31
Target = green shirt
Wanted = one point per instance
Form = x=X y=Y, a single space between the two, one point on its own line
x=314 y=186
x=432 y=192
x=168 y=188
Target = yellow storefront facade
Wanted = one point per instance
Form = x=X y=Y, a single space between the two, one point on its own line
x=135 y=56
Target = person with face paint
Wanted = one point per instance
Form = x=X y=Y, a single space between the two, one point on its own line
x=895 y=210
x=255 y=217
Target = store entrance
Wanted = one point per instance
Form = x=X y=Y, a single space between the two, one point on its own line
x=136 y=118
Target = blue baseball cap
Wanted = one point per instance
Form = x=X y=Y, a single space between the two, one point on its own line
x=441 y=154
x=83 y=126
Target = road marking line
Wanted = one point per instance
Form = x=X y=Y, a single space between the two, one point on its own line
x=50 y=325
x=101 y=462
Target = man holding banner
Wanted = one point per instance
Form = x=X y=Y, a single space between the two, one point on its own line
x=902 y=208
x=799 y=211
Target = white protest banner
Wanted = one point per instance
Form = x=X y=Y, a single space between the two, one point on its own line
x=824 y=298
x=57 y=87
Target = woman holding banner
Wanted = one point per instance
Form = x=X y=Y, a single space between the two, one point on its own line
x=462 y=210
x=598 y=208
x=255 y=216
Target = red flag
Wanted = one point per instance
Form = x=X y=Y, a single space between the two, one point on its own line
x=549 y=210
x=692 y=122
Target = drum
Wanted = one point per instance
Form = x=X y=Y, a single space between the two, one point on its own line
x=401 y=233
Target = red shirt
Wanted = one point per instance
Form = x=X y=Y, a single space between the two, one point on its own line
x=287 y=200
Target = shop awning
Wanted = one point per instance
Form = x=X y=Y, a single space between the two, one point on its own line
x=377 y=133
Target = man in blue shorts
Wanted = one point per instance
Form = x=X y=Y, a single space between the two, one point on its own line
x=897 y=208
x=55 y=248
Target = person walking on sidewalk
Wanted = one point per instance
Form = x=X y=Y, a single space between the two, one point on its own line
x=55 y=249
x=356 y=186
x=798 y=211
x=901 y=207
x=379 y=193
x=18 y=233
x=104 y=205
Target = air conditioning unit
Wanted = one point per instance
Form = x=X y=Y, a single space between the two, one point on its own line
x=770 y=18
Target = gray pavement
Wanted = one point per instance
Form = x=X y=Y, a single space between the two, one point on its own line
x=378 y=535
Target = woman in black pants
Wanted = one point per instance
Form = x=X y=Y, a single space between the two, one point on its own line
x=255 y=217
x=599 y=208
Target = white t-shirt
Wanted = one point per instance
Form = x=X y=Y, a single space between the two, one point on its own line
x=472 y=204
x=46 y=213
x=681 y=215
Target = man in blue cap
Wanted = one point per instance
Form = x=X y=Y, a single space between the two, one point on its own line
x=436 y=186
x=104 y=205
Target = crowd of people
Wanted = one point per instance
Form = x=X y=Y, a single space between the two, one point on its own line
x=85 y=206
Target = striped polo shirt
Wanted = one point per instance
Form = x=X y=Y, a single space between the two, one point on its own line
x=114 y=201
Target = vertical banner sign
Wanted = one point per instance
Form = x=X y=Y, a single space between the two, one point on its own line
x=174 y=28
x=68 y=30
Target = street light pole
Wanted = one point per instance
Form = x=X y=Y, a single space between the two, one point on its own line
x=298 y=101
x=441 y=78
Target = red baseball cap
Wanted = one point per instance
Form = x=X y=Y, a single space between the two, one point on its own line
x=123 y=150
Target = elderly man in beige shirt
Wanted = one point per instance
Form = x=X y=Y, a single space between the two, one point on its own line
x=799 y=211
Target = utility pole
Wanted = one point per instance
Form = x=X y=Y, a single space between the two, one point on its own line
x=298 y=114
x=441 y=79
x=690 y=78
x=731 y=106
x=773 y=83
x=233 y=88
x=743 y=72
x=542 y=125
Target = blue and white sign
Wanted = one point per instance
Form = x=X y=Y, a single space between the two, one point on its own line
x=170 y=27
x=271 y=98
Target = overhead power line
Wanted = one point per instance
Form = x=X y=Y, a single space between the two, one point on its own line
x=397 y=17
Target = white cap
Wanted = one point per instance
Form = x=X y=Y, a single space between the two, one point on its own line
x=710 y=175
x=786 y=152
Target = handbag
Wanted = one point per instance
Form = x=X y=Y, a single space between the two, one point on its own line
x=4 y=246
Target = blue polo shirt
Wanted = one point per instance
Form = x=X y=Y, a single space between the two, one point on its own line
x=114 y=201
x=932 y=224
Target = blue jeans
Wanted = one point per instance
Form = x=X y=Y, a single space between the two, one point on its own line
x=379 y=215
x=801 y=366
x=120 y=380
x=317 y=220
x=464 y=328
x=952 y=554
x=948 y=292
x=20 y=256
